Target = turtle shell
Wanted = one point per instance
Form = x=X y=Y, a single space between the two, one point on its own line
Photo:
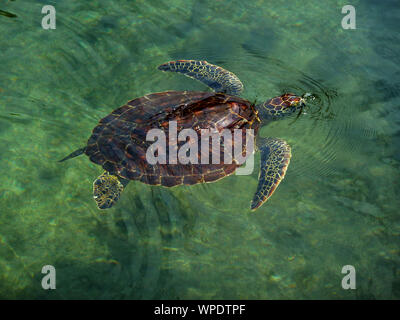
x=118 y=142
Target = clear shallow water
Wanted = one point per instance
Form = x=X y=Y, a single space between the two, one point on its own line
x=338 y=204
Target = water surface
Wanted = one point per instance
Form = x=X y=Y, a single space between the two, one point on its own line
x=338 y=204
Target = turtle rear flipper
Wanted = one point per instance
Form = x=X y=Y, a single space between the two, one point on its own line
x=217 y=78
x=107 y=189
x=275 y=158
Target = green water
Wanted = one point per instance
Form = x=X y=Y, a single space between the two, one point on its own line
x=338 y=204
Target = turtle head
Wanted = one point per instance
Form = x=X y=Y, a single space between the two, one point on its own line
x=281 y=106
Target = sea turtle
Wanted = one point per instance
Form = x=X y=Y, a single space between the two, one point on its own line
x=118 y=143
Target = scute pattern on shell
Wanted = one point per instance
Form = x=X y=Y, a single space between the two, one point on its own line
x=118 y=142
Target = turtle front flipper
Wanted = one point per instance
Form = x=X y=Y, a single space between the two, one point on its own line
x=107 y=189
x=275 y=158
x=217 y=78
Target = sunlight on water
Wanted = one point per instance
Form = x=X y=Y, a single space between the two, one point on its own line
x=338 y=204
